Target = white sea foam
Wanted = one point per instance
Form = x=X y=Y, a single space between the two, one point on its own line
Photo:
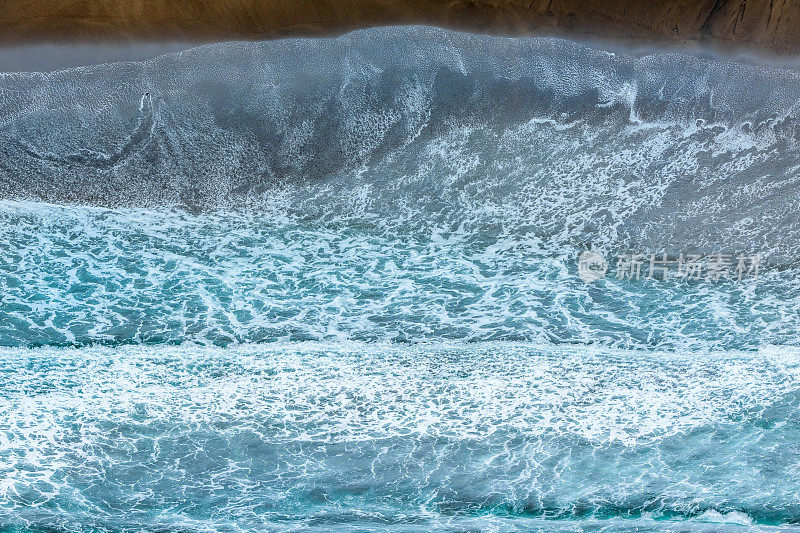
x=642 y=431
x=405 y=198
x=74 y=275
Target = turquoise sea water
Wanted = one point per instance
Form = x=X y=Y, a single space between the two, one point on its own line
x=79 y=276
x=363 y=436
x=332 y=285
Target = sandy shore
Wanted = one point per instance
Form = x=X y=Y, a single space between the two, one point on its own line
x=766 y=25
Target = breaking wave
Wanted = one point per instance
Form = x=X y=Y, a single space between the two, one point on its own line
x=425 y=126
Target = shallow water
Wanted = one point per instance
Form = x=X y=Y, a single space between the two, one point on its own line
x=333 y=284
x=77 y=276
x=365 y=436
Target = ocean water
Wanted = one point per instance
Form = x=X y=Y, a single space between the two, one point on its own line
x=334 y=285
x=373 y=436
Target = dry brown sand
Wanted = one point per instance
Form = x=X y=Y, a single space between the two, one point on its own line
x=768 y=25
